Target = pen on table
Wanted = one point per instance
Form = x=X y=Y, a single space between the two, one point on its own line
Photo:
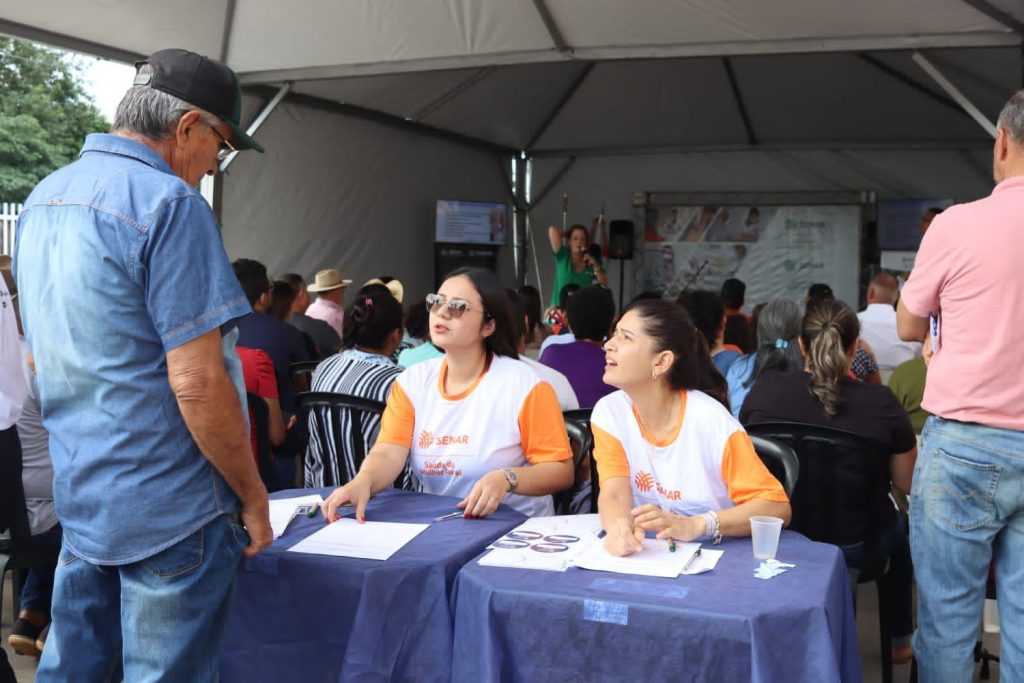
x=689 y=562
x=450 y=515
x=311 y=513
x=671 y=545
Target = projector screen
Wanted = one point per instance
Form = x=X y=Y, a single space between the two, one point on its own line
x=471 y=222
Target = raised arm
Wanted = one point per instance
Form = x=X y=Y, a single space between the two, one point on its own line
x=555 y=235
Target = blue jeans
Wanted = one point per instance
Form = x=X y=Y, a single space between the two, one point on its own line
x=161 y=618
x=37 y=593
x=967 y=504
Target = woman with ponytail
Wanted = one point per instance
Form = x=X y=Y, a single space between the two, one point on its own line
x=373 y=330
x=670 y=456
x=827 y=394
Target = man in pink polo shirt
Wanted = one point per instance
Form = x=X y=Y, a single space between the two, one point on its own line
x=968 y=488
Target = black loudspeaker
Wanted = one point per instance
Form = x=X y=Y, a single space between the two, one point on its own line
x=620 y=239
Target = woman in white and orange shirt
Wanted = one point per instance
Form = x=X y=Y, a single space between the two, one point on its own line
x=672 y=458
x=476 y=423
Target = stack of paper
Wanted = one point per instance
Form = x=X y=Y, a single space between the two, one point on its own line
x=548 y=543
x=282 y=510
x=348 y=538
x=655 y=559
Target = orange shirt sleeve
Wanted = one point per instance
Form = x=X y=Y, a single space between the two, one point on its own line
x=744 y=474
x=542 y=428
x=609 y=454
x=399 y=418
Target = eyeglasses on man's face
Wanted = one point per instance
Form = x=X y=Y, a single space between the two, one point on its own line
x=226 y=148
x=456 y=307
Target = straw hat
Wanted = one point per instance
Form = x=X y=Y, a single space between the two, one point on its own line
x=328 y=279
x=394 y=286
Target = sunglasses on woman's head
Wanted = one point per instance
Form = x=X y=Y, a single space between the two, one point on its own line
x=456 y=307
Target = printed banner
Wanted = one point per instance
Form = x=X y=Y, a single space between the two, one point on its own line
x=778 y=251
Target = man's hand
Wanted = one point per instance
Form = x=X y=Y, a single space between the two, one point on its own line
x=256 y=520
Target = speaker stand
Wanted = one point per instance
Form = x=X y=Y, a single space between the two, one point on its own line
x=622 y=275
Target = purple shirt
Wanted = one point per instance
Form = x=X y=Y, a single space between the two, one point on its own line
x=583 y=364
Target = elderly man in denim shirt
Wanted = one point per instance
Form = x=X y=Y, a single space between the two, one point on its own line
x=129 y=305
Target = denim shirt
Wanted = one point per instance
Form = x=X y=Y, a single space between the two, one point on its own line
x=118 y=262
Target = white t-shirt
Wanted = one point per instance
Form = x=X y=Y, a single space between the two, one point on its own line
x=12 y=381
x=878 y=329
x=507 y=418
x=709 y=463
x=559 y=382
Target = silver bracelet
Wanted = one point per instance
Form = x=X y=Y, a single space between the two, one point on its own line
x=713 y=528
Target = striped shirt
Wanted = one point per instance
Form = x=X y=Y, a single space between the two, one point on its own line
x=355 y=373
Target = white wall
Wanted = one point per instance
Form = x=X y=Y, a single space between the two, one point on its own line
x=337 y=192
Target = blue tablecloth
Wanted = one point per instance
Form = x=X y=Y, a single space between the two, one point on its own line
x=313 y=618
x=723 y=625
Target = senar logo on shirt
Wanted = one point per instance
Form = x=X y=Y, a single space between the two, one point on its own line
x=644 y=482
x=427 y=439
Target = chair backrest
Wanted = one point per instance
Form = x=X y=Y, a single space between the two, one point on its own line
x=304 y=369
x=259 y=413
x=577 y=426
x=338 y=420
x=843 y=484
x=780 y=459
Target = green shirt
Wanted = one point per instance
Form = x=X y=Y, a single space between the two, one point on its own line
x=565 y=274
x=907 y=382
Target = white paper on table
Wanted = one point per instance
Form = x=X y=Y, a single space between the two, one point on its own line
x=283 y=509
x=583 y=527
x=655 y=559
x=370 y=541
x=705 y=562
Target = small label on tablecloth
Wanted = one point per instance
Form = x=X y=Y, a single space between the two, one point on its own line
x=606 y=612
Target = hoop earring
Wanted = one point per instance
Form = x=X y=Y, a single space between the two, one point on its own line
x=654 y=375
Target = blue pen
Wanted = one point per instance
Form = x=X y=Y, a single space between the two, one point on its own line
x=450 y=515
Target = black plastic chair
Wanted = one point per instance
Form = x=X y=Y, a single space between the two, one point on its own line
x=21 y=552
x=303 y=369
x=780 y=459
x=330 y=417
x=577 y=425
x=818 y=500
x=259 y=412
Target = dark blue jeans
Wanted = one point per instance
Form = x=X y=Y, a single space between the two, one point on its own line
x=37 y=593
x=895 y=589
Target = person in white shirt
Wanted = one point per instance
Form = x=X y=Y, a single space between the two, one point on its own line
x=477 y=423
x=671 y=457
x=878 y=324
x=559 y=382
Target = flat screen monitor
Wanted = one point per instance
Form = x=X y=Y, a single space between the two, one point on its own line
x=899 y=222
x=461 y=222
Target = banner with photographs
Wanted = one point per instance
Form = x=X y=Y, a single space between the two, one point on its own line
x=778 y=251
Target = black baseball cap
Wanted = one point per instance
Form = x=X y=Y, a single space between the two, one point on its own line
x=200 y=81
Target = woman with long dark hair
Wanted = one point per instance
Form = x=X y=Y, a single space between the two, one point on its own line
x=477 y=423
x=671 y=457
x=827 y=395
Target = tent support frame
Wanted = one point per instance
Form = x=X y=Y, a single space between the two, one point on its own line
x=953 y=92
x=740 y=104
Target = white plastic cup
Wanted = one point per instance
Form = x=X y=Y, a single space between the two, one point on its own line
x=764 y=532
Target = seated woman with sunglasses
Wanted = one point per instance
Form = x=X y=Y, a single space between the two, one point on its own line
x=671 y=457
x=477 y=423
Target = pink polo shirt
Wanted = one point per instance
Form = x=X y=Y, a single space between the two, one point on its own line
x=328 y=311
x=970 y=270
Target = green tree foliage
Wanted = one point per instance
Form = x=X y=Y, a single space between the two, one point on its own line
x=45 y=115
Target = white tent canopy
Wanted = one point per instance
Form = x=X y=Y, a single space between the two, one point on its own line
x=396 y=104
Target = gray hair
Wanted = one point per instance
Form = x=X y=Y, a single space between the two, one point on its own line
x=1011 y=119
x=152 y=113
x=778 y=327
